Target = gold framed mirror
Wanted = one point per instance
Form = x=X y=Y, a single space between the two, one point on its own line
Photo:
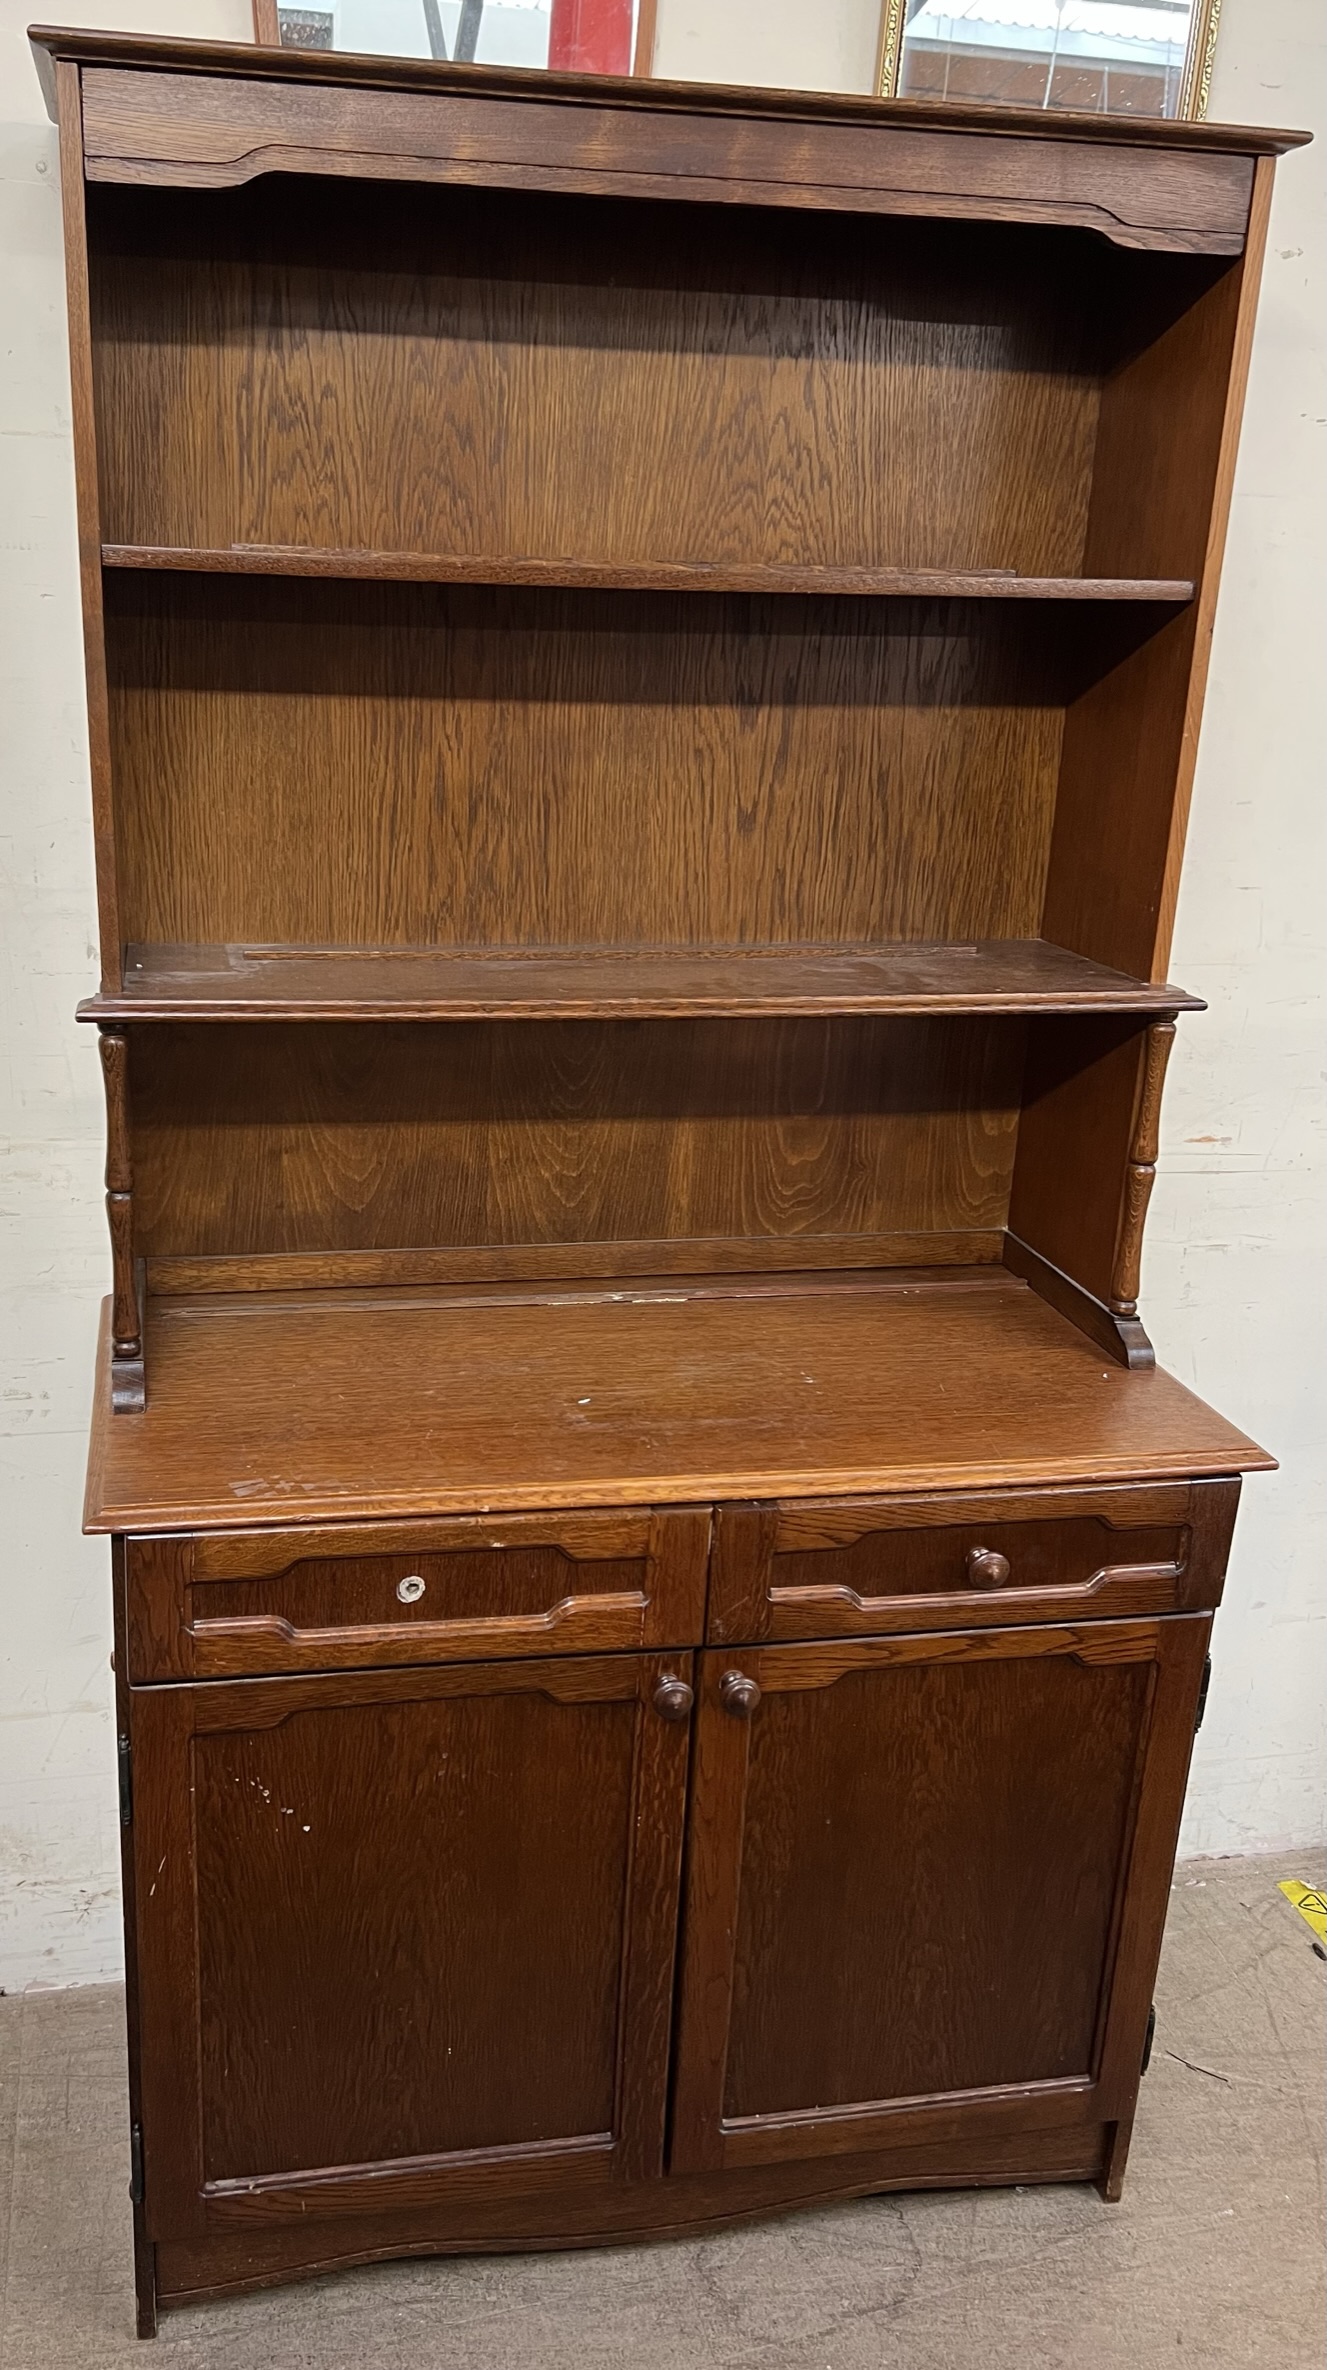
x=1096 y=57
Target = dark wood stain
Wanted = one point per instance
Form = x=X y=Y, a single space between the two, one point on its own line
x=431 y=766
x=357 y=1137
x=645 y=649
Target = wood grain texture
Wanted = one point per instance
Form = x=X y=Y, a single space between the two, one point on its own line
x=1014 y=975
x=126 y=1339
x=856 y=1568
x=153 y=51
x=820 y=1891
x=511 y=1844
x=780 y=1262
x=192 y=2270
x=254 y=559
x=430 y=766
x=1080 y=1102
x=306 y=1138
x=68 y=111
x=145 y=2266
x=1140 y=1175
x=1141 y=1910
x=712 y=401
x=675 y=749
x=317 y=1600
x=390 y=1406
x=1122 y=1338
x=190 y=132
x=1164 y=469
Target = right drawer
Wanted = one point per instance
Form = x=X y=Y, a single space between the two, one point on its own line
x=854 y=1567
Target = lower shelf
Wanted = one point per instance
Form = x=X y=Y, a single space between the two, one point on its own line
x=351 y=1405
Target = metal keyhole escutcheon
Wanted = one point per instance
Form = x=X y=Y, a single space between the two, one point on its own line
x=411 y=1589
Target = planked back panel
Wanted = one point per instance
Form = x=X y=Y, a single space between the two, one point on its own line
x=372 y=1136
x=480 y=372
x=420 y=765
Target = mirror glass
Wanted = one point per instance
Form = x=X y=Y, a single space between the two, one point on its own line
x=1115 y=57
x=583 y=36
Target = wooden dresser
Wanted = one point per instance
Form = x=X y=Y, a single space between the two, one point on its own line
x=644 y=648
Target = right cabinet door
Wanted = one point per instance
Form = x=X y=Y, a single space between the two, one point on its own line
x=927 y=1878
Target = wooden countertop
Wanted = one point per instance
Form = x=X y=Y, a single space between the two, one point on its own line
x=351 y=1405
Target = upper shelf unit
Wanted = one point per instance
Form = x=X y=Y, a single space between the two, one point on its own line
x=581 y=392
x=644 y=622
x=627 y=983
x=435 y=567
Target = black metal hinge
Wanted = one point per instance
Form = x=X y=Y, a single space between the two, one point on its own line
x=124 y=1756
x=1202 y=1693
x=135 y=2163
x=1150 y=2038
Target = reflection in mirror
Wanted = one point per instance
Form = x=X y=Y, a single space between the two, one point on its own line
x=1117 y=57
x=579 y=36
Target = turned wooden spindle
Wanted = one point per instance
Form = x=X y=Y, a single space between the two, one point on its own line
x=1141 y=1174
x=126 y=1324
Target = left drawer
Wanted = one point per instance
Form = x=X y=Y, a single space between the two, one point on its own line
x=231 y=1604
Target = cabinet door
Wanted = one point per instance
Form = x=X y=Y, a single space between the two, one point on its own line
x=404 y=1936
x=926 y=1883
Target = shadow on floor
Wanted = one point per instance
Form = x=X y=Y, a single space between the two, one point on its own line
x=1214 y=2257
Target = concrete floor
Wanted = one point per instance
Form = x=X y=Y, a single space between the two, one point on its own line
x=1214 y=2257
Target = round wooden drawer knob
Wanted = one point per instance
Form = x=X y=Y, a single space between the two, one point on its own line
x=672 y=1699
x=987 y=1568
x=738 y=1694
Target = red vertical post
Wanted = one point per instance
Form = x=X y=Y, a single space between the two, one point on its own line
x=591 y=36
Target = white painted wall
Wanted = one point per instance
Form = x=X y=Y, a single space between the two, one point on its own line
x=1233 y=1281
x=1233 y=1284
x=59 y=1844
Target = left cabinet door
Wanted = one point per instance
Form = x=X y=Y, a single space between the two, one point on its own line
x=404 y=1936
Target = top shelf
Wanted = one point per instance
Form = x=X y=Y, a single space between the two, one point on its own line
x=1015 y=975
x=432 y=567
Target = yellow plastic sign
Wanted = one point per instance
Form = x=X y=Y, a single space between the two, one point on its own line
x=1310 y=1904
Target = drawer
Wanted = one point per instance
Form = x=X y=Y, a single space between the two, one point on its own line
x=228 y=1604
x=850 y=1567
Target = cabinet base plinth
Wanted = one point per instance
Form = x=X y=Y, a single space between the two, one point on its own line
x=678 y=2207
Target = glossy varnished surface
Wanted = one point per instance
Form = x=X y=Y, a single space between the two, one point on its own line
x=292 y=559
x=416 y=765
x=536 y=1137
x=298 y=66
x=673 y=741
x=352 y=1404
x=844 y=1904
x=906 y=1886
x=583 y=385
x=405 y=1933
x=166 y=131
x=376 y=983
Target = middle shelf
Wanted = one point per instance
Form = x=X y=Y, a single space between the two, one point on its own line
x=638 y=575
x=1011 y=975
